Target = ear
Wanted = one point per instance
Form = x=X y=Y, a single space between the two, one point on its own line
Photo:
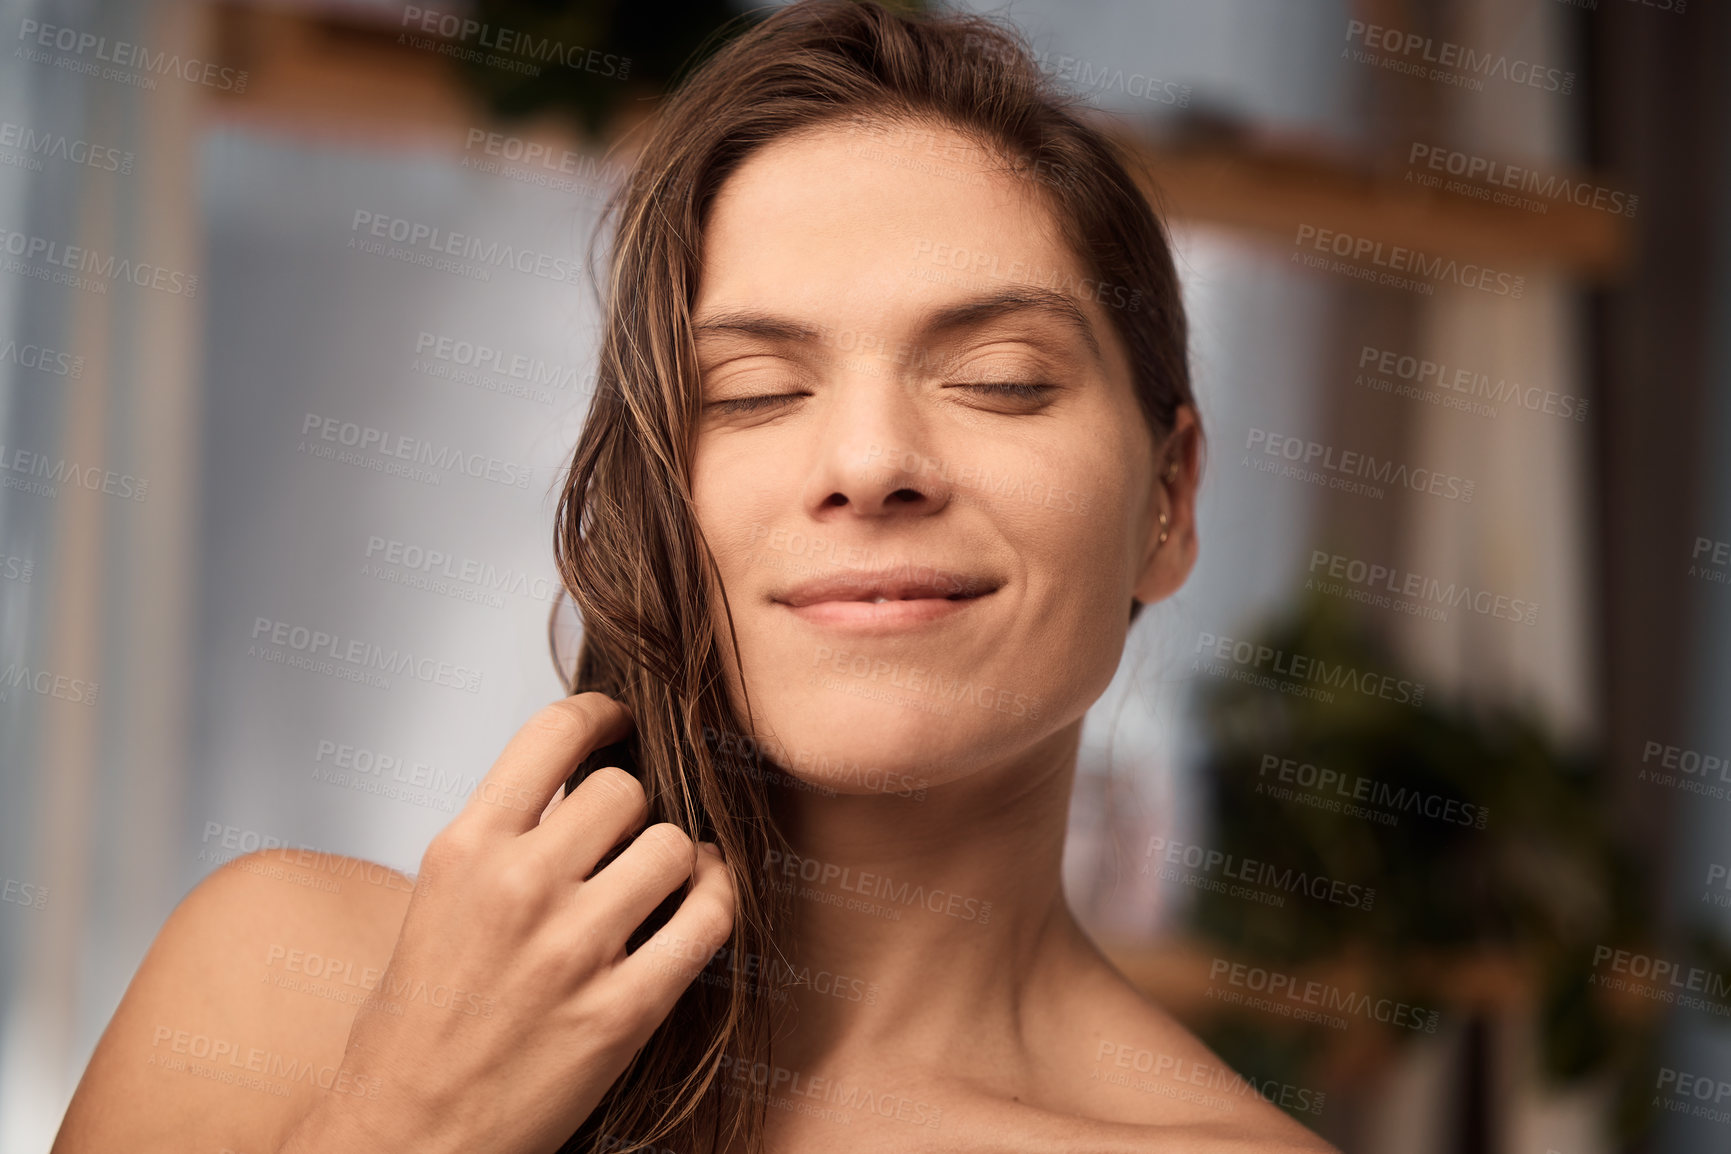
x=1177 y=475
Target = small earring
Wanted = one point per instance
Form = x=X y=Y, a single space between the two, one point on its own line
x=1163 y=522
x=1171 y=473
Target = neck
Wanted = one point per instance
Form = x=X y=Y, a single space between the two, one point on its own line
x=926 y=924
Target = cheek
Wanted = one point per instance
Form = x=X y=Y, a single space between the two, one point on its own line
x=745 y=503
x=737 y=532
x=1077 y=617
x=735 y=507
x=1086 y=561
x=1090 y=512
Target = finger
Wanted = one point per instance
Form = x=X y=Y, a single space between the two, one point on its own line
x=607 y=807
x=671 y=959
x=540 y=756
x=558 y=796
x=624 y=892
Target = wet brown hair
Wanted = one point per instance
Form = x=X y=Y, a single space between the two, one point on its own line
x=628 y=544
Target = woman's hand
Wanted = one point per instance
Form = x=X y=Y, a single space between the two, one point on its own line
x=509 y=1005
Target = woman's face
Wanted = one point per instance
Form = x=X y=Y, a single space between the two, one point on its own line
x=920 y=466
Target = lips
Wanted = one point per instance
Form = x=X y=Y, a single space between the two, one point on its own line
x=889 y=602
x=903 y=583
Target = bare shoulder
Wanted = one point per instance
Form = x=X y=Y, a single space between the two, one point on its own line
x=1129 y=1062
x=237 y=1018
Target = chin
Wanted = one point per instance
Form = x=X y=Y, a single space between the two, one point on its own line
x=863 y=739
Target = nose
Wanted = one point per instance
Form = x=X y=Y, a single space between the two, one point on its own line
x=875 y=457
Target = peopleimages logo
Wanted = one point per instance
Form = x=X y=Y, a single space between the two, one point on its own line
x=33 y=146
x=587 y=172
x=511 y=42
x=1087 y=76
x=1688 y=979
x=987 y=264
x=935 y=683
x=767 y=759
x=125 y=55
x=246 y=1066
x=1127 y=1058
x=1710 y=560
x=43 y=360
x=46 y=683
x=1302 y=668
x=773 y=975
x=371 y=979
x=1695 y=771
x=794 y=1090
x=390 y=775
x=1366 y=582
x=413 y=457
x=1339 y=792
x=477 y=355
x=878 y=887
x=973 y=479
x=27 y=894
x=1580 y=193
x=1454 y=63
x=1318 y=887
x=70 y=262
x=354 y=655
x=1348 y=469
x=435 y=570
x=43 y=475
x=430 y=241
x=1680 y=1085
x=1322 y=1002
x=232 y=841
x=1399 y=259
x=1470 y=385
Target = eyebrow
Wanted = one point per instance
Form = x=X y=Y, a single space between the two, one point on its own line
x=765 y=325
x=1010 y=302
x=971 y=313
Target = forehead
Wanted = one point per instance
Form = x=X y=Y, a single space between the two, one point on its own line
x=875 y=223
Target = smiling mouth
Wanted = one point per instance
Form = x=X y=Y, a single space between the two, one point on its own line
x=882 y=589
x=950 y=597
x=886 y=601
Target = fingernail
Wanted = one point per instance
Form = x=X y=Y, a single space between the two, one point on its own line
x=710 y=848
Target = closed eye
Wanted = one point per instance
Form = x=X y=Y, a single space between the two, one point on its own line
x=737 y=405
x=1023 y=392
x=1019 y=393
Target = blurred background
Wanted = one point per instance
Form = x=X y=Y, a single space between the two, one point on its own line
x=1481 y=244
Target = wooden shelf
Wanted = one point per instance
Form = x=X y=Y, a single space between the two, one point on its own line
x=1176 y=974
x=1270 y=191
x=325 y=74
x=314 y=74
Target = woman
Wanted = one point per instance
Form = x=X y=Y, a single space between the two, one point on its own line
x=893 y=438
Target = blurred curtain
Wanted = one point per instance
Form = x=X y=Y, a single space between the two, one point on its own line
x=89 y=791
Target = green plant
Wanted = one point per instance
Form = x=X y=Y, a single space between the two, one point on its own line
x=651 y=46
x=1484 y=837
